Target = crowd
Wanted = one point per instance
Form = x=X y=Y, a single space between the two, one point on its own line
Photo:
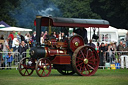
x=113 y=53
x=15 y=46
x=16 y=42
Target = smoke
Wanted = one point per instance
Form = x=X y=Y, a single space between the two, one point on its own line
x=46 y=12
x=26 y=12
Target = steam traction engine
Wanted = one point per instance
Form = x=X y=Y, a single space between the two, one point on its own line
x=68 y=57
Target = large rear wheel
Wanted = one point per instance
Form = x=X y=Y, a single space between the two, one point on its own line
x=85 y=61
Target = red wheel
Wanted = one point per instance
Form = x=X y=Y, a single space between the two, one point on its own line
x=85 y=61
x=43 y=67
x=26 y=66
x=75 y=42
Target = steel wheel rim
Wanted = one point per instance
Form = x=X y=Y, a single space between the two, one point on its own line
x=24 y=68
x=85 y=61
x=43 y=67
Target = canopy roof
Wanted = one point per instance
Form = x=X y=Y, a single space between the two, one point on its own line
x=73 y=22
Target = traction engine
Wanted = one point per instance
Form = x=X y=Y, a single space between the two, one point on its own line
x=68 y=57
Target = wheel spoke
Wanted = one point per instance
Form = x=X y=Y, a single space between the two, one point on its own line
x=39 y=69
x=91 y=63
x=90 y=57
x=82 y=54
x=79 y=58
x=87 y=54
x=42 y=72
x=27 y=71
x=85 y=60
x=45 y=67
x=87 y=68
x=90 y=66
x=80 y=64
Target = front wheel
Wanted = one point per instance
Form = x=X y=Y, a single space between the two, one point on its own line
x=43 y=67
x=85 y=61
x=26 y=66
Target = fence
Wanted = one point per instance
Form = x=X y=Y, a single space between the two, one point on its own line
x=10 y=62
x=114 y=57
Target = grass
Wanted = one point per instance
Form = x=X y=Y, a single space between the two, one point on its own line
x=102 y=77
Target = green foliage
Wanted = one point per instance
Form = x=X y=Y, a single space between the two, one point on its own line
x=76 y=8
x=115 y=11
x=5 y=7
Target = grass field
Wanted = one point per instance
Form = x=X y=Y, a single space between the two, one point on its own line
x=102 y=77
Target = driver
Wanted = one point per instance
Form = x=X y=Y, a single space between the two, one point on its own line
x=83 y=33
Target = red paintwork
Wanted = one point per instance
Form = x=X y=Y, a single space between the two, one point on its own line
x=61 y=59
x=74 y=39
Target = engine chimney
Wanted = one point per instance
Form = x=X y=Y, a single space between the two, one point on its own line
x=38 y=29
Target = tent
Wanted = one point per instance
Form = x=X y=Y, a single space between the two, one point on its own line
x=6 y=31
x=5 y=24
x=14 y=29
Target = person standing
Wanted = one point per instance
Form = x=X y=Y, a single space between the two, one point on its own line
x=83 y=33
x=15 y=44
x=11 y=37
x=6 y=49
x=34 y=39
x=101 y=54
x=126 y=38
x=9 y=60
x=19 y=37
x=1 y=49
x=22 y=48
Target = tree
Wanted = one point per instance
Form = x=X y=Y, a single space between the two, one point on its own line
x=5 y=7
x=115 y=11
x=75 y=8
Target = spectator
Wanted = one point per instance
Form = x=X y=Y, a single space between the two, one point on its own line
x=15 y=33
x=11 y=37
x=34 y=39
x=42 y=39
x=62 y=37
x=126 y=38
x=6 y=49
x=54 y=34
x=120 y=48
x=45 y=35
x=9 y=60
x=42 y=33
x=97 y=47
x=101 y=54
x=22 y=48
x=2 y=37
x=19 y=37
x=15 y=43
x=112 y=50
x=27 y=37
x=1 y=49
x=22 y=37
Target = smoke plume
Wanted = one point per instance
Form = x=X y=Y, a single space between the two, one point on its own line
x=26 y=12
